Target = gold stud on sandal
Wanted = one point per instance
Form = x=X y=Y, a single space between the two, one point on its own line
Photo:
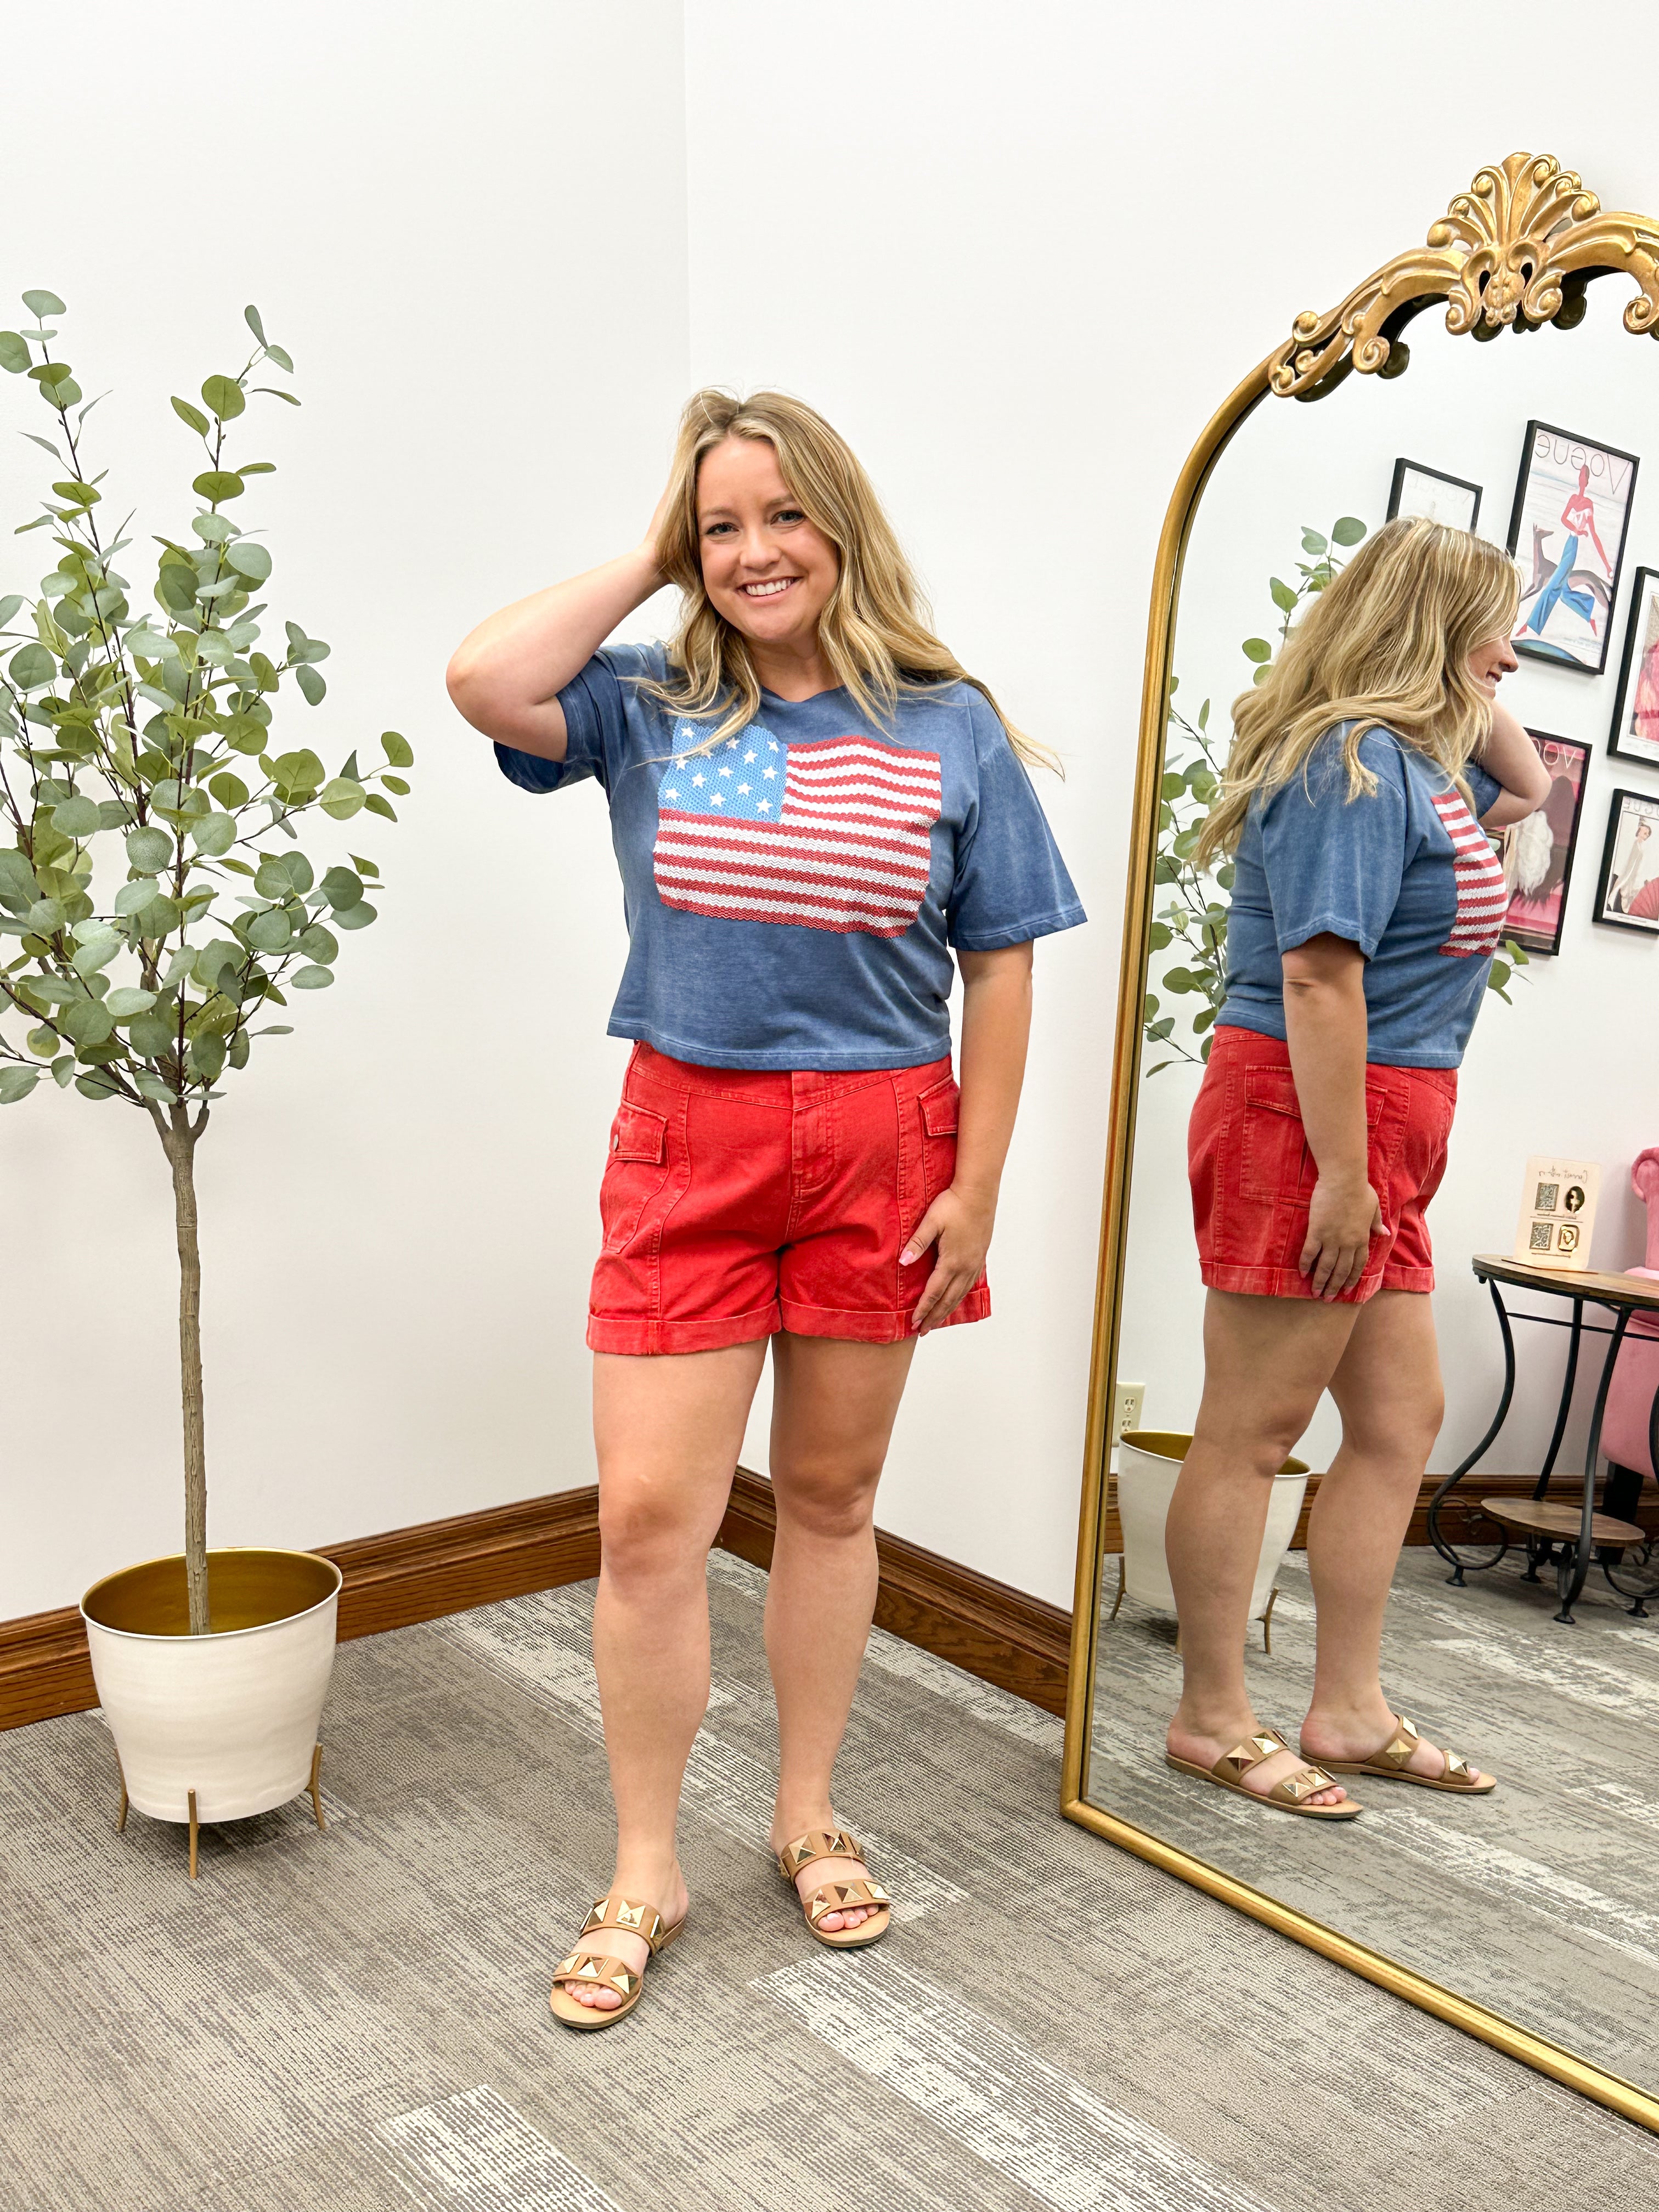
x=1393 y=1764
x=836 y=1896
x=600 y=1971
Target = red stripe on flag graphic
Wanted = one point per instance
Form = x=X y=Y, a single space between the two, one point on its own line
x=850 y=849
x=1483 y=896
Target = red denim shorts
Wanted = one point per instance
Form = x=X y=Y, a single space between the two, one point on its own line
x=737 y=1203
x=1253 y=1176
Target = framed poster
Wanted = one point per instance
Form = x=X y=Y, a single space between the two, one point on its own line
x=1418 y=489
x=1538 y=852
x=1627 y=897
x=1635 y=733
x=1567 y=532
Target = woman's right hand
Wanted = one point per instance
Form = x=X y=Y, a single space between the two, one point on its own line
x=1344 y=1216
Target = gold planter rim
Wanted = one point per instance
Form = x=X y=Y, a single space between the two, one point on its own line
x=251 y=1577
x=1161 y=1444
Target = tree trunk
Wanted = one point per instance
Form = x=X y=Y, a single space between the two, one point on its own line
x=180 y=1143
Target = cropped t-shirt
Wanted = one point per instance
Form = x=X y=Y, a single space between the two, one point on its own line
x=792 y=897
x=1405 y=872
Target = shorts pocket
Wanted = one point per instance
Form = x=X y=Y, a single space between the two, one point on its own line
x=1275 y=1165
x=635 y=1171
x=940 y=1113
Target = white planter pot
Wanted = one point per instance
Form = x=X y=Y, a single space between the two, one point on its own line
x=1148 y=1466
x=232 y=1716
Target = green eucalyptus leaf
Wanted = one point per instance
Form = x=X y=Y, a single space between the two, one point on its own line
x=355 y=917
x=249 y=560
x=271 y=930
x=319 y=945
x=340 y=797
x=124 y=1004
x=98 y=1087
x=87 y=1021
x=42 y=1042
x=213 y=834
x=151 y=1034
x=95 y=954
x=14 y=352
x=1349 y=531
x=175 y=585
x=376 y=804
x=300 y=873
x=396 y=783
x=17 y=1083
x=207 y=1056
x=397 y=751
x=45 y=917
x=1257 y=649
x=63 y=1070
x=42 y=304
x=193 y=415
x=148 y=848
x=77 y=817
x=297 y=775
x=216 y=485
x=250 y=317
x=310 y=979
x=229 y=790
x=224 y=395
x=341 y=889
x=283 y=360
x=1284 y=597
x=1313 y=542
x=311 y=683
x=32 y=667
x=152 y=1086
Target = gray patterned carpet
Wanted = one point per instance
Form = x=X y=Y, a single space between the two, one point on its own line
x=1541 y=1900
x=357 y=2021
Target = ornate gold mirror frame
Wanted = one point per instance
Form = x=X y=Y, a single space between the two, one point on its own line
x=1517 y=249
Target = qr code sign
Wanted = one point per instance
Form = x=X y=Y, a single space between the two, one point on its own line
x=1544 y=1201
x=1540 y=1236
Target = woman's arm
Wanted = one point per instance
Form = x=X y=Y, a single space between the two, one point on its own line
x=1510 y=756
x=1325 y=1028
x=996 y=1025
x=506 y=677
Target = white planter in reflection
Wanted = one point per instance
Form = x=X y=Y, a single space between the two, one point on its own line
x=1148 y=1466
x=232 y=1716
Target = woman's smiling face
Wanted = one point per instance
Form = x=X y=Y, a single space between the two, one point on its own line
x=767 y=569
x=1489 y=664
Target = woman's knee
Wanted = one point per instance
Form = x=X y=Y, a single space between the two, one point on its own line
x=648 y=1542
x=831 y=1500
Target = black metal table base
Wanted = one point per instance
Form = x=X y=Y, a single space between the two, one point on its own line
x=1571 y=1558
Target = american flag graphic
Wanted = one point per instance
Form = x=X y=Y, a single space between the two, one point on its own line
x=1483 y=896
x=829 y=835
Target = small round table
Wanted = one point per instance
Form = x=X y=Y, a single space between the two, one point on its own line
x=1571 y=1537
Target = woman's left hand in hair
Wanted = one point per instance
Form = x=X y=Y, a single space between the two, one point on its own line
x=960 y=1227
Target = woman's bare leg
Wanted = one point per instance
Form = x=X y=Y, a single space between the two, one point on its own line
x=668 y=1430
x=1387 y=1388
x=833 y=1411
x=1265 y=1362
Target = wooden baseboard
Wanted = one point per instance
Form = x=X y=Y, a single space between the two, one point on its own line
x=415 y=1574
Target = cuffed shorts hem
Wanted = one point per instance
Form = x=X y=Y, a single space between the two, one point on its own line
x=857 y=1325
x=1292 y=1283
x=644 y=1338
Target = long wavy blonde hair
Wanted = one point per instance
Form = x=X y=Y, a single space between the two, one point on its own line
x=1387 y=644
x=874 y=631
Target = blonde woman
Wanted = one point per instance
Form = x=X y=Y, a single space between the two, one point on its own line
x=1366 y=905
x=812 y=805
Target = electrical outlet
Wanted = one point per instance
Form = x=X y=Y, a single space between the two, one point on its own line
x=1127 y=1403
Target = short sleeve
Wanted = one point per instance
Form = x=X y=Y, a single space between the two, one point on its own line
x=1485 y=788
x=596 y=725
x=1333 y=864
x=1010 y=882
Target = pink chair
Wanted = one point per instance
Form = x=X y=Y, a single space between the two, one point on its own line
x=1627 y=1423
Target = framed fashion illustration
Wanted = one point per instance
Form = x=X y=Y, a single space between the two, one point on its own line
x=1627 y=897
x=1567 y=534
x=1538 y=852
x=1635 y=732
x=1418 y=489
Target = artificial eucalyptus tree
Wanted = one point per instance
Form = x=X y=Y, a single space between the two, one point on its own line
x=152 y=877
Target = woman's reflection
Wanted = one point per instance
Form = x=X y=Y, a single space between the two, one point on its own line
x=1367 y=904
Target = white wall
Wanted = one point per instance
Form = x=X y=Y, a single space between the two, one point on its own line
x=1018 y=256
x=468 y=226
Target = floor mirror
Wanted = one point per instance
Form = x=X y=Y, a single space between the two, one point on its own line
x=1529 y=1918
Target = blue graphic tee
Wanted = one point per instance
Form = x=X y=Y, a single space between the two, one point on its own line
x=792 y=897
x=1405 y=872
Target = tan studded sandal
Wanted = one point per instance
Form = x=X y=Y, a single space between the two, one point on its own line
x=836 y=1896
x=1391 y=1764
x=600 y=1971
x=1289 y=1796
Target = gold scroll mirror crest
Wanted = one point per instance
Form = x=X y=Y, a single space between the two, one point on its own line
x=1516 y=250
